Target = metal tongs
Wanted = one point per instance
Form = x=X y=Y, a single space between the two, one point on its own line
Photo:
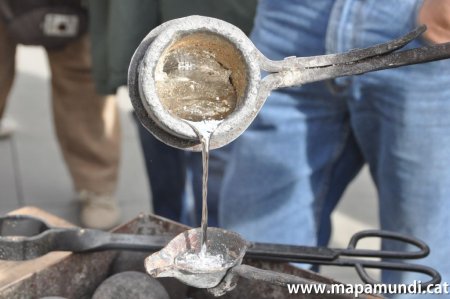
x=246 y=63
x=25 y=237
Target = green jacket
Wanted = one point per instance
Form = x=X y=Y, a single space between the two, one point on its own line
x=118 y=26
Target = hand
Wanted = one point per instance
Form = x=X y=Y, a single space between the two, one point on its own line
x=436 y=15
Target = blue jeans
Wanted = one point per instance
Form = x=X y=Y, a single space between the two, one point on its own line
x=288 y=171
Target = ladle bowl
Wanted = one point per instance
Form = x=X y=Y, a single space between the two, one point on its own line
x=227 y=44
x=229 y=245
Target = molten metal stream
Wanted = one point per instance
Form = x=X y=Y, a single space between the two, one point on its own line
x=204 y=131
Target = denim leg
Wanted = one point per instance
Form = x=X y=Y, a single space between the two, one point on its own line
x=401 y=120
x=343 y=169
x=288 y=170
x=280 y=180
x=166 y=170
x=404 y=133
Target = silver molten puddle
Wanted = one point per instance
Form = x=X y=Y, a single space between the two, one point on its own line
x=182 y=257
x=194 y=86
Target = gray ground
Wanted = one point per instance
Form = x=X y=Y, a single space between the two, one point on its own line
x=32 y=171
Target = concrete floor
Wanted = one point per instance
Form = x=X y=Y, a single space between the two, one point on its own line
x=32 y=171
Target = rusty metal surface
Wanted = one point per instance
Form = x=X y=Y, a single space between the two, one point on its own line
x=74 y=277
x=78 y=275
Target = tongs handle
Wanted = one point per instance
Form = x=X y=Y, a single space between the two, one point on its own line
x=352 y=56
x=308 y=254
x=339 y=257
x=422 y=248
x=25 y=237
x=295 y=71
x=361 y=264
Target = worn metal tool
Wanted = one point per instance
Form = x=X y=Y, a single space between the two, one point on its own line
x=235 y=52
x=25 y=237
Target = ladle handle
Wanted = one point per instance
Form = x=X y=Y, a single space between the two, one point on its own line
x=291 y=253
x=300 y=76
x=352 y=56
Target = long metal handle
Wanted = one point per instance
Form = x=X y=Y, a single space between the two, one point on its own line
x=298 y=77
x=87 y=240
x=421 y=248
x=291 y=253
x=76 y=240
x=337 y=257
x=309 y=254
x=352 y=56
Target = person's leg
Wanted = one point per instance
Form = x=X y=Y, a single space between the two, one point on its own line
x=401 y=120
x=7 y=66
x=166 y=170
x=280 y=183
x=88 y=130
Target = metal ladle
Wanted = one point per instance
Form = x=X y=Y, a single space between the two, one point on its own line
x=234 y=51
x=220 y=242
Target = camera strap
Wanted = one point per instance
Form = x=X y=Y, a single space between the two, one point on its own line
x=5 y=11
x=44 y=23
